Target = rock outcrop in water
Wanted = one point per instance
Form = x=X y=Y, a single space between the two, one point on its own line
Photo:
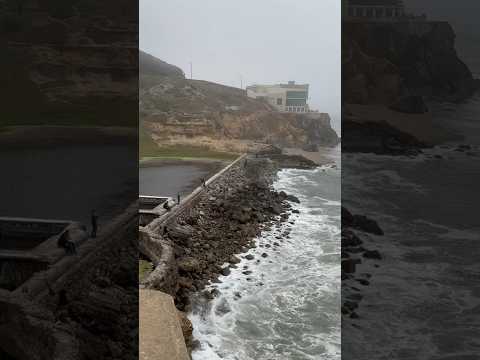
x=354 y=230
x=389 y=69
x=382 y=61
x=178 y=111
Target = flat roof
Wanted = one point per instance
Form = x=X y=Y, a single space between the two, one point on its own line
x=376 y=2
x=283 y=86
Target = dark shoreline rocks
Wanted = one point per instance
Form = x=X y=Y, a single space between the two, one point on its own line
x=223 y=224
x=353 y=254
x=378 y=138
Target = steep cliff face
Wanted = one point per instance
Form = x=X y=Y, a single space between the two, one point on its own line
x=178 y=111
x=385 y=60
x=238 y=132
x=70 y=58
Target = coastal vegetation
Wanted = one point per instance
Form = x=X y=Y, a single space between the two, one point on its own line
x=145 y=267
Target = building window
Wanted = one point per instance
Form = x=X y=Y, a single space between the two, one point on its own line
x=279 y=101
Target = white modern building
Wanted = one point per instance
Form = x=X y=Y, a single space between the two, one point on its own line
x=289 y=97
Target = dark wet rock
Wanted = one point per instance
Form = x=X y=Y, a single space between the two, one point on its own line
x=249 y=257
x=246 y=272
x=350 y=305
x=234 y=260
x=293 y=161
x=349 y=265
x=208 y=295
x=185 y=282
x=363 y=282
x=293 y=198
x=349 y=239
x=275 y=209
x=295 y=211
x=366 y=224
x=356 y=250
x=264 y=255
x=222 y=308
x=225 y=271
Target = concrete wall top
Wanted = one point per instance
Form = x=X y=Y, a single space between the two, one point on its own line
x=160 y=333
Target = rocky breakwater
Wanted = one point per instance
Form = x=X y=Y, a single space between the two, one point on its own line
x=209 y=238
x=356 y=229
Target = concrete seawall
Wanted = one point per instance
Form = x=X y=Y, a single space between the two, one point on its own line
x=160 y=251
x=161 y=330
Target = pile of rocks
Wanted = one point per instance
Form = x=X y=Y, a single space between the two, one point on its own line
x=225 y=221
x=101 y=307
x=354 y=253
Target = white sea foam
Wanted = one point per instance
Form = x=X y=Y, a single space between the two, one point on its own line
x=290 y=304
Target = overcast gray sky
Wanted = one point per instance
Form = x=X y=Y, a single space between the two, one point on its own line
x=262 y=41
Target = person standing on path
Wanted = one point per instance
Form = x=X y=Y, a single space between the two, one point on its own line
x=94 y=219
x=178 y=198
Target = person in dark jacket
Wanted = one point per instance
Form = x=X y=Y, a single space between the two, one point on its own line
x=94 y=219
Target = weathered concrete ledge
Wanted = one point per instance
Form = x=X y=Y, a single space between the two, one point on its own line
x=161 y=335
x=58 y=274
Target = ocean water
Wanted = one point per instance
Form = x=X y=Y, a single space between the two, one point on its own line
x=423 y=301
x=289 y=306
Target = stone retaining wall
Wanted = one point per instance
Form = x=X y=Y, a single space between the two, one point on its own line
x=101 y=310
x=160 y=251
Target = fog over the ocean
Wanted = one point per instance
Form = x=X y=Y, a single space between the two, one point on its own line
x=268 y=41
